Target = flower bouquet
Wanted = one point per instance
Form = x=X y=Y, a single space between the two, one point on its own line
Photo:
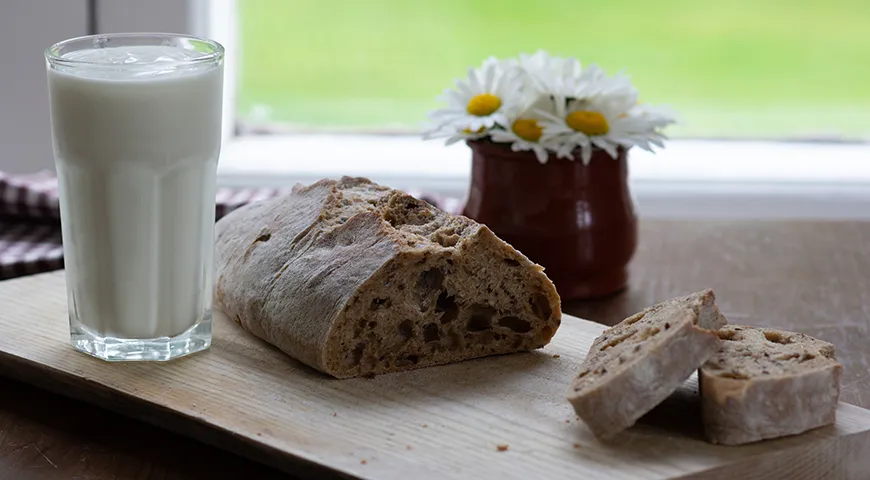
x=548 y=105
x=572 y=214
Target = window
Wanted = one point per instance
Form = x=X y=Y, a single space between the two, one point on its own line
x=736 y=69
x=774 y=96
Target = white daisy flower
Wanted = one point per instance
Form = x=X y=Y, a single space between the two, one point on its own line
x=479 y=102
x=454 y=134
x=566 y=77
x=550 y=75
x=524 y=134
x=594 y=82
x=548 y=104
x=605 y=122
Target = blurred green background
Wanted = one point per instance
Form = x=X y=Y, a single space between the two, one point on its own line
x=737 y=68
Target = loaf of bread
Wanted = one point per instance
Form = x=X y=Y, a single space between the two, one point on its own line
x=767 y=383
x=635 y=365
x=355 y=279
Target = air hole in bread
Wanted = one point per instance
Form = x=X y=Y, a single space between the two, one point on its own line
x=407 y=360
x=431 y=333
x=379 y=303
x=807 y=356
x=541 y=306
x=373 y=324
x=634 y=318
x=727 y=335
x=357 y=353
x=264 y=237
x=618 y=339
x=787 y=356
x=446 y=306
x=511 y=262
x=446 y=240
x=406 y=329
x=649 y=332
x=776 y=337
x=516 y=324
x=430 y=280
x=480 y=319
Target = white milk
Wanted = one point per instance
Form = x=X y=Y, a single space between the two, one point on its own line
x=136 y=153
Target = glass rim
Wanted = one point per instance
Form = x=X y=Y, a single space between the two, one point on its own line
x=53 y=57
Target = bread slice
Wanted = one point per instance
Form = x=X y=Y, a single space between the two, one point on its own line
x=635 y=365
x=766 y=383
x=354 y=279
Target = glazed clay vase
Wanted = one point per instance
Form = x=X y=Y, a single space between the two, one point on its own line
x=576 y=221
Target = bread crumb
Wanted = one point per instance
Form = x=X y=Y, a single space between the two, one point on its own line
x=425 y=425
x=502 y=448
x=408 y=447
x=334 y=414
x=568 y=421
x=363 y=462
x=576 y=445
x=556 y=355
x=259 y=434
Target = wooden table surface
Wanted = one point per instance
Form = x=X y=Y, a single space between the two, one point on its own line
x=805 y=276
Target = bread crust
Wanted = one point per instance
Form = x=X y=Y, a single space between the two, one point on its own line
x=329 y=273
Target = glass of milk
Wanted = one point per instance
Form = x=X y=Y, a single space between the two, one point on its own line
x=136 y=124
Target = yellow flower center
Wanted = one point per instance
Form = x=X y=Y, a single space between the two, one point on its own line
x=528 y=129
x=483 y=104
x=468 y=131
x=590 y=123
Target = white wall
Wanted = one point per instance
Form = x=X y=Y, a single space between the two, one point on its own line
x=171 y=16
x=27 y=28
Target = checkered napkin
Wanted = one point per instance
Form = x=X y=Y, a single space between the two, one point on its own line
x=30 y=237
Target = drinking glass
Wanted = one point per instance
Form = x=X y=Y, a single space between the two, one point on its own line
x=136 y=128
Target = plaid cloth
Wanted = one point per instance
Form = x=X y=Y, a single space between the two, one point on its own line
x=30 y=236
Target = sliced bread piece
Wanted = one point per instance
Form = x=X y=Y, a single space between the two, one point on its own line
x=766 y=383
x=635 y=365
x=354 y=278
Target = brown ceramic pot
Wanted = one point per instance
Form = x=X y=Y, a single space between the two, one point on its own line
x=577 y=221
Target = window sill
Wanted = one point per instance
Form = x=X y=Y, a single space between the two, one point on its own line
x=713 y=179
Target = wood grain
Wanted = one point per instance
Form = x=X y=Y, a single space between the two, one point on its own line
x=792 y=267
x=246 y=396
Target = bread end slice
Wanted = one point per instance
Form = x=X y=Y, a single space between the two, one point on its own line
x=766 y=383
x=635 y=365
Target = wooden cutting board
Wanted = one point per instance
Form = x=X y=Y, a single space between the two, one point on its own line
x=441 y=422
